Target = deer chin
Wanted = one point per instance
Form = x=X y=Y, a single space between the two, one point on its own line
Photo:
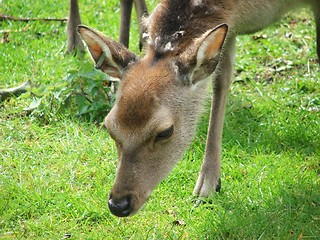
x=137 y=207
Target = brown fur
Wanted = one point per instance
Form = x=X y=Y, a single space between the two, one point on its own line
x=139 y=94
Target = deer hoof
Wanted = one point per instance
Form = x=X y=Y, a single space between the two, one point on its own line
x=206 y=186
x=120 y=207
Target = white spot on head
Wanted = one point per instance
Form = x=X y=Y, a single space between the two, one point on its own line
x=196 y=3
x=146 y=38
x=168 y=47
x=157 y=40
x=145 y=35
x=178 y=34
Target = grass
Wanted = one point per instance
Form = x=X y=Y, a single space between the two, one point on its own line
x=55 y=175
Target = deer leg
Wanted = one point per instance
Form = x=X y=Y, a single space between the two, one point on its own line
x=142 y=10
x=74 y=42
x=125 y=11
x=209 y=178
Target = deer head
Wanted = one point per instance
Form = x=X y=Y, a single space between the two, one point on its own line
x=155 y=114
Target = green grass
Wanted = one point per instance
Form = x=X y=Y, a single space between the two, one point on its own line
x=55 y=175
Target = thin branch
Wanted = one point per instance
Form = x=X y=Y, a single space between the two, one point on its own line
x=5 y=17
x=16 y=91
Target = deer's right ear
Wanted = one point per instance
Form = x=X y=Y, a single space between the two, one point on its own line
x=109 y=56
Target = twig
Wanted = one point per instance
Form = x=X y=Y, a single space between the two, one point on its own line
x=5 y=17
x=16 y=91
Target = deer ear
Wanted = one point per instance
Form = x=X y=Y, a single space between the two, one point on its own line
x=109 y=56
x=202 y=58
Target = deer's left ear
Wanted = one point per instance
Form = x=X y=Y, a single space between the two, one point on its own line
x=202 y=58
x=109 y=56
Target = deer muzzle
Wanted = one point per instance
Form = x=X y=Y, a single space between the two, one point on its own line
x=120 y=207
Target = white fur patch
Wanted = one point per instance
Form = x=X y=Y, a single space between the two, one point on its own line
x=91 y=38
x=145 y=36
x=196 y=3
x=157 y=40
x=106 y=50
x=168 y=47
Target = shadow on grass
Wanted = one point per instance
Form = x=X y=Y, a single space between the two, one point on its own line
x=287 y=213
x=270 y=129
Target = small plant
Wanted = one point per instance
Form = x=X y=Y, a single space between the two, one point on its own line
x=90 y=93
x=94 y=93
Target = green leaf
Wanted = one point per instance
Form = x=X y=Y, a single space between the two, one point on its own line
x=34 y=104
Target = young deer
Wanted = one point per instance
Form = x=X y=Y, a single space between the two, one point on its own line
x=74 y=41
x=161 y=94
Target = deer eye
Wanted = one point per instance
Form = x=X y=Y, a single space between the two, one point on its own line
x=165 y=134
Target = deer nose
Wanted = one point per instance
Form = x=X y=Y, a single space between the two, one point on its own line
x=120 y=207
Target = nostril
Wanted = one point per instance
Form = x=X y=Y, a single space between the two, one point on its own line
x=120 y=207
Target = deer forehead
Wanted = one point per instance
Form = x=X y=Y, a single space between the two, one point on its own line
x=143 y=92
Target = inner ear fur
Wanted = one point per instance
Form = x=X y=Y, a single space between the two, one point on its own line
x=109 y=56
x=201 y=58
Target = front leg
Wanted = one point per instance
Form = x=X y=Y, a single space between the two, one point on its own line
x=209 y=178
